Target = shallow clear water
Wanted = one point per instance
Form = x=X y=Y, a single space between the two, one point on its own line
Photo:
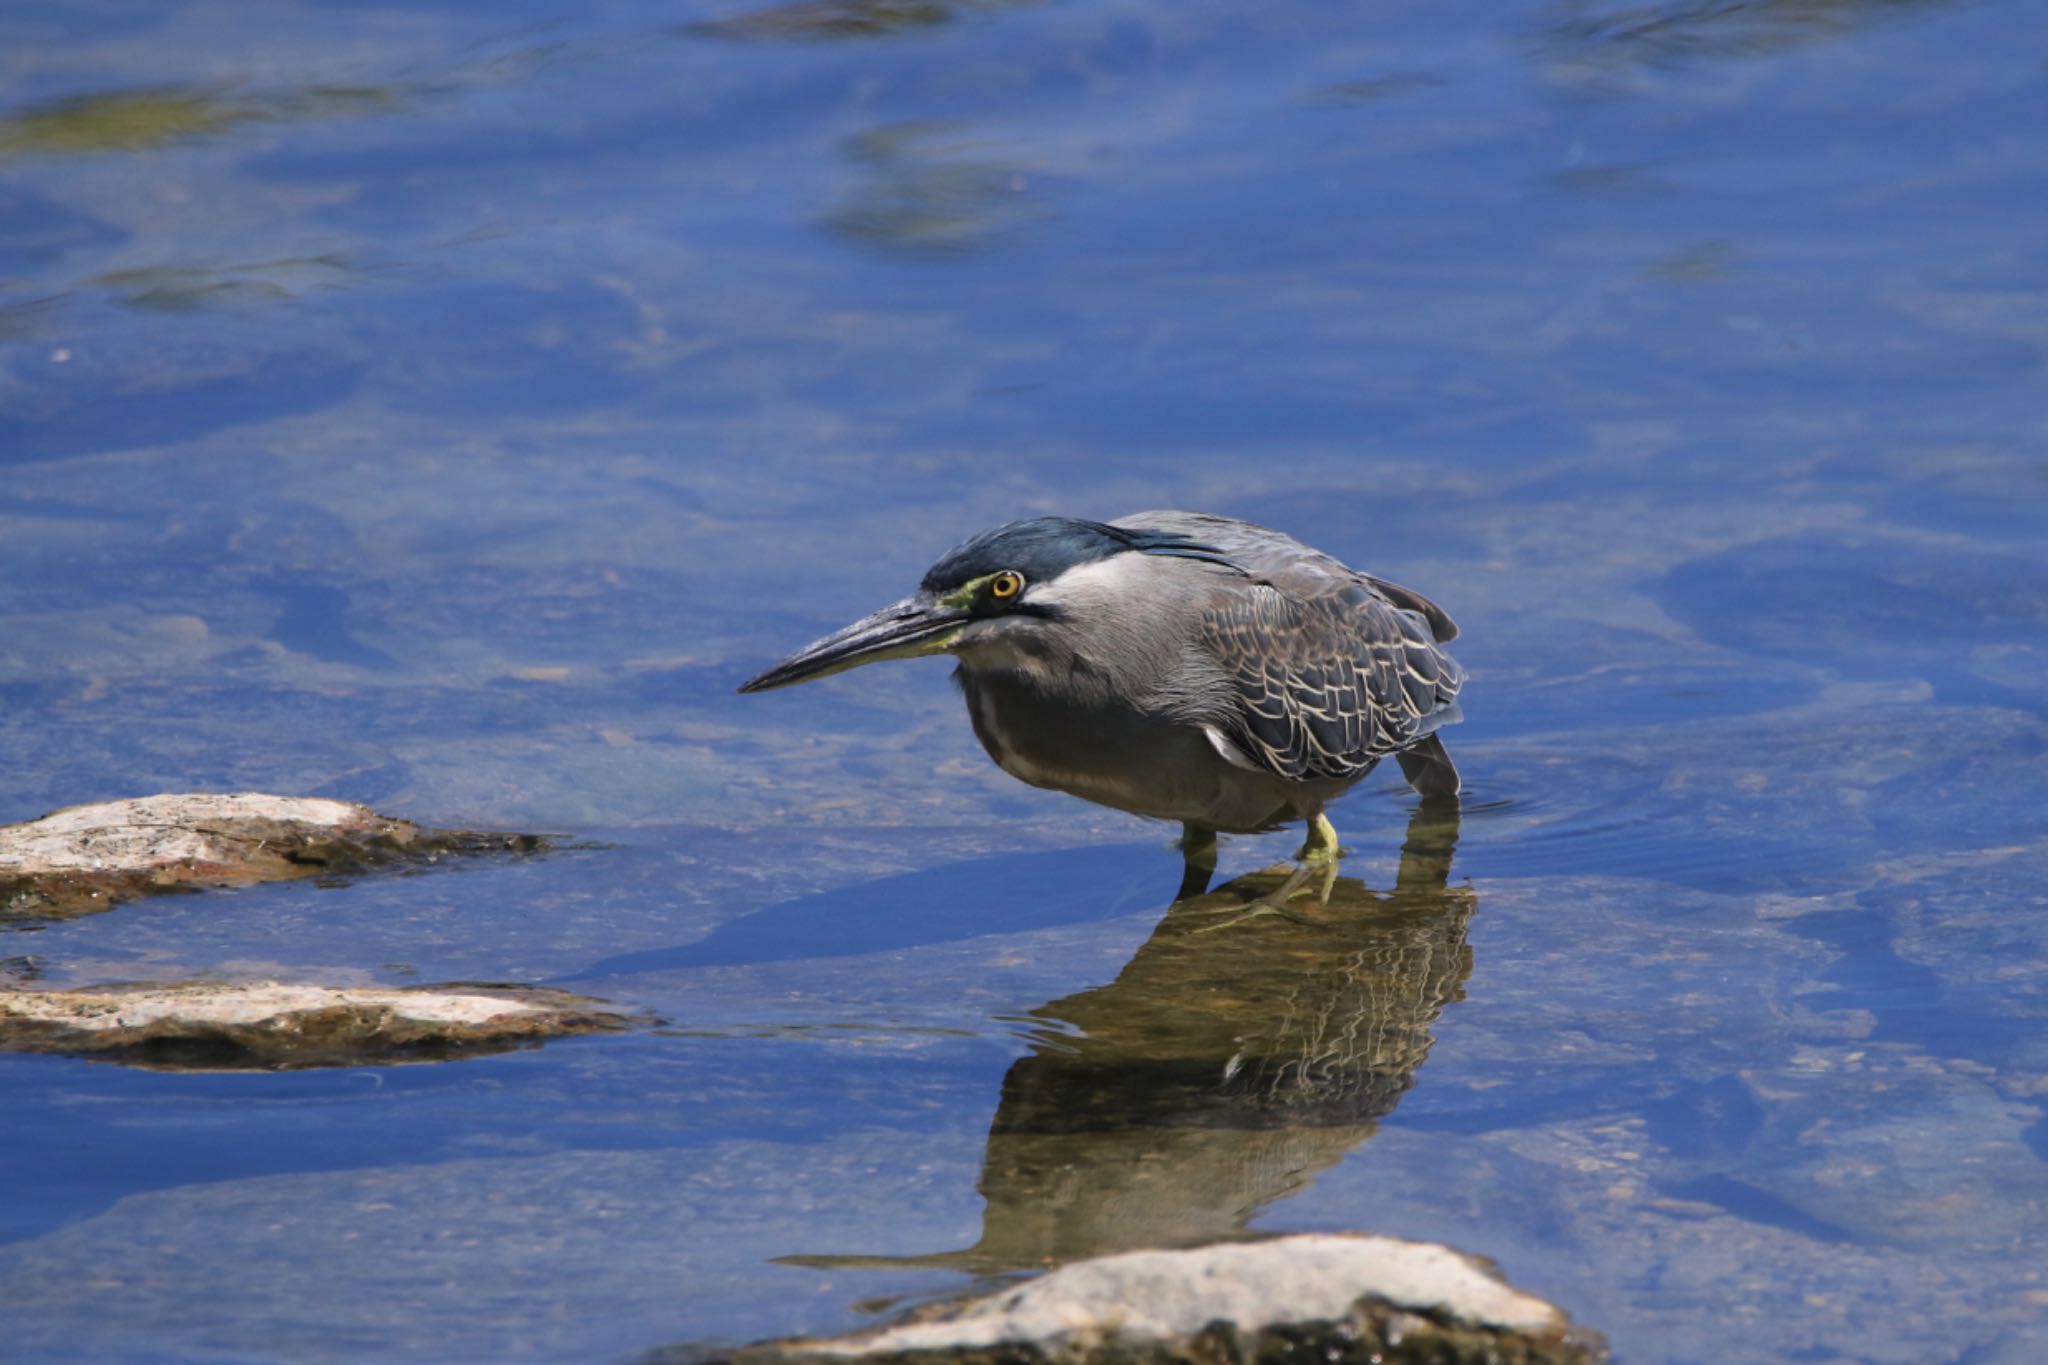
x=445 y=406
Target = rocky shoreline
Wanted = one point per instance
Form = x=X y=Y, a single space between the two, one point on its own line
x=1331 y=1298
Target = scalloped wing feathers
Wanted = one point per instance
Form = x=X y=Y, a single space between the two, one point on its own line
x=1329 y=674
x=1330 y=669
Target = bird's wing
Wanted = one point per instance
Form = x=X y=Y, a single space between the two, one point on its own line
x=1329 y=670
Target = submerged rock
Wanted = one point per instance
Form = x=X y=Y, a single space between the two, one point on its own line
x=200 y=1025
x=88 y=858
x=1319 y=1297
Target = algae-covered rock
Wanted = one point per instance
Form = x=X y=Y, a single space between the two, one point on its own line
x=201 y=1025
x=87 y=858
x=1320 y=1297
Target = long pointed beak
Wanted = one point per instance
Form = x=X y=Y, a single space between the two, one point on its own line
x=916 y=626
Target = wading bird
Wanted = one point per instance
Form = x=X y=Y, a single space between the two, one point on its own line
x=1177 y=665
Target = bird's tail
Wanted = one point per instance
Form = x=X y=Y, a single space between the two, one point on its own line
x=1429 y=769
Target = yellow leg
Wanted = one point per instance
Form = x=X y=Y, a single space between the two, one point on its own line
x=1320 y=850
x=1316 y=864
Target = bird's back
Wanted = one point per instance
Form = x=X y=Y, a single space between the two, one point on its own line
x=1285 y=561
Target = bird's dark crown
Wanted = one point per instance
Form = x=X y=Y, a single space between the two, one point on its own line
x=1043 y=548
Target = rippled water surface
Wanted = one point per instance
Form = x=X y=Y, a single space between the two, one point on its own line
x=445 y=406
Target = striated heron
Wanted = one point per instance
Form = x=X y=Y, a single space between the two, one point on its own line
x=1177 y=665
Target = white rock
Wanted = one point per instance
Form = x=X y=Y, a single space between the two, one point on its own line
x=1163 y=1298
x=255 y=1002
x=268 y=1023
x=85 y=859
x=151 y=830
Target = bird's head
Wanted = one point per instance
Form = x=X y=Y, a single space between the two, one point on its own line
x=1001 y=583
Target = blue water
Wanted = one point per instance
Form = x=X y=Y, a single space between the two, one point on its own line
x=445 y=407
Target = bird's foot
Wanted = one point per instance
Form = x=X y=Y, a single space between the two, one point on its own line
x=1259 y=910
x=1315 y=869
x=1273 y=904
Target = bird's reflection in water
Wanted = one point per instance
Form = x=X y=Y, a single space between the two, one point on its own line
x=1234 y=1057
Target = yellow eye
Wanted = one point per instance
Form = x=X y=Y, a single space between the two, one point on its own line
x=1006 y=585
